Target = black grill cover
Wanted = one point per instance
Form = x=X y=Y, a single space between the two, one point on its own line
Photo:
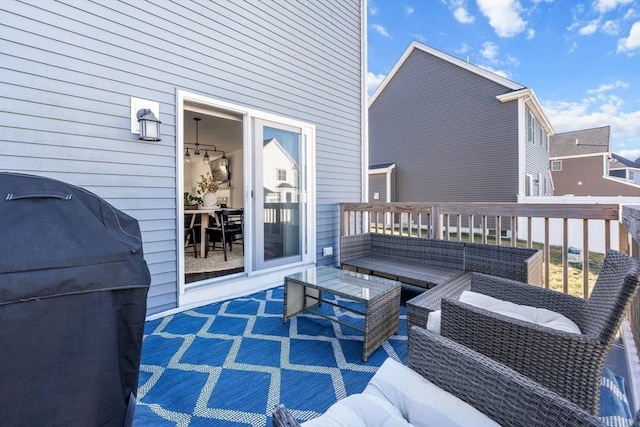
x=73 y=290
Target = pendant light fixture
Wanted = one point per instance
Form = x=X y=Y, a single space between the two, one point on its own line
x=206 y=159
x=197 y=150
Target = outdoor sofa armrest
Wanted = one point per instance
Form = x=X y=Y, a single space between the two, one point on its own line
x=282 y=418
x=569 y=364
x=504 y=395
x=526 y=294
x=419 y=307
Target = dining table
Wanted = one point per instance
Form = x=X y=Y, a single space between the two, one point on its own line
x=204 y=212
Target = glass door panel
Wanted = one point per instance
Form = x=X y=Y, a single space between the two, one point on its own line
x=279 y=198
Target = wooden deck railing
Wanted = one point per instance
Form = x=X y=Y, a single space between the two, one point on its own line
x=631 y=222
x=514 y=220
x=517 y=224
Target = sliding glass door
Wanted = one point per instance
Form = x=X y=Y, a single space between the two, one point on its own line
x=280 y=193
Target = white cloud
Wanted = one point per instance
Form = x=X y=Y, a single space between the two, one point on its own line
x=630 y=154
x=631 y=14
x=462 y=16
x=631 y=43
x=590 y=28
x=373 y=11
x=594 y=112
x=373 y=81
x=611 y=27
x=504 y=16
x=490 y=51
x=409 y=10
x=381 y=30
x=531 y=33
x=502 y=73
x=465 y=48
x=604 y=6
x=512 y=60
x=608 y=87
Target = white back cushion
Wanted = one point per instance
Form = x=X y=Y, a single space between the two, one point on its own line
x=540 y=316
x=360 y=410
x=420 y=402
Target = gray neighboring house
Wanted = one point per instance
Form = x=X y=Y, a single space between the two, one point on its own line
x=624 y=168
x=74 y=74
x=582 y=164
x=457 y=132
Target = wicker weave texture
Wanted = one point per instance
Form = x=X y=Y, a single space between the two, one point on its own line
x=502 y=394
x=430 y=262
x=569 y=364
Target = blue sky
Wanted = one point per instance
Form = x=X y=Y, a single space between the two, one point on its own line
x=581 y=58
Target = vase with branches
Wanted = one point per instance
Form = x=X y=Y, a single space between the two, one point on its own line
x=207 y=187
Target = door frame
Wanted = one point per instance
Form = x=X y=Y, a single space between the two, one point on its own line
x=241 y=281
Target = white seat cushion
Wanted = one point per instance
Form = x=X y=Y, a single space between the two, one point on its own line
x=419 y=401
x=540 y=316
x=360 y=410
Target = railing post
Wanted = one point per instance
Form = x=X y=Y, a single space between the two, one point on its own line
x=585 y=258
x=546 y=253
x=436 y=222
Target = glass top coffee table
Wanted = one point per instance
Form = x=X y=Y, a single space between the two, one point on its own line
x=379 y=296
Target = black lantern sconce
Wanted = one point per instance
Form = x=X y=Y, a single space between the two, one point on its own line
x=149 y=125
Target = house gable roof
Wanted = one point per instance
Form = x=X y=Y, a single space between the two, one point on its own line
x=583 y=142
x=517 y=90
x=509 y=84
x=622 y=162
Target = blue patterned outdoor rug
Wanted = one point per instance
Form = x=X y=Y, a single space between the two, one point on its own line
x=230 y=363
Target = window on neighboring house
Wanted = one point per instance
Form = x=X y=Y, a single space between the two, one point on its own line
x=528 y=185
x=530 y=126
x=556 y=165
x=546 y=141
x=632 y=175
x=281 y=174
x=542 y=135
x=539 y=183
x=536 y=133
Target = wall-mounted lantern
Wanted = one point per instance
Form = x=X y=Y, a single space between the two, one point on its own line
x=149 y=125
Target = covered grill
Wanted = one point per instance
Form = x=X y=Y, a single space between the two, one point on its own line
x=73 y=289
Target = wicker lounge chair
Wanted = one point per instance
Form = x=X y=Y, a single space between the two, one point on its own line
x=569 y=364
x=505 y=396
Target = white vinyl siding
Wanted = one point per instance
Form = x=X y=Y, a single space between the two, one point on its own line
x=70 y=68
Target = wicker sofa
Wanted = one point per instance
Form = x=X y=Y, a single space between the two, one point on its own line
x=427 y=262
x=460 y=382
x=568 y=363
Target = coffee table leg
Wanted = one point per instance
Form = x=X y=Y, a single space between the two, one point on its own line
x=298 y=298
x=381 y=321
x=294 y=300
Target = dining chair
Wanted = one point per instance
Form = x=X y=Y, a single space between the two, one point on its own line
x=233 y=223
x=227 y=228
x=190 y=225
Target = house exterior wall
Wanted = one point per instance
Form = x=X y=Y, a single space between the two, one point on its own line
x=378 y=184
x=69 y=70
x=537 y=156
x=584 y=176
x=450 y=138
